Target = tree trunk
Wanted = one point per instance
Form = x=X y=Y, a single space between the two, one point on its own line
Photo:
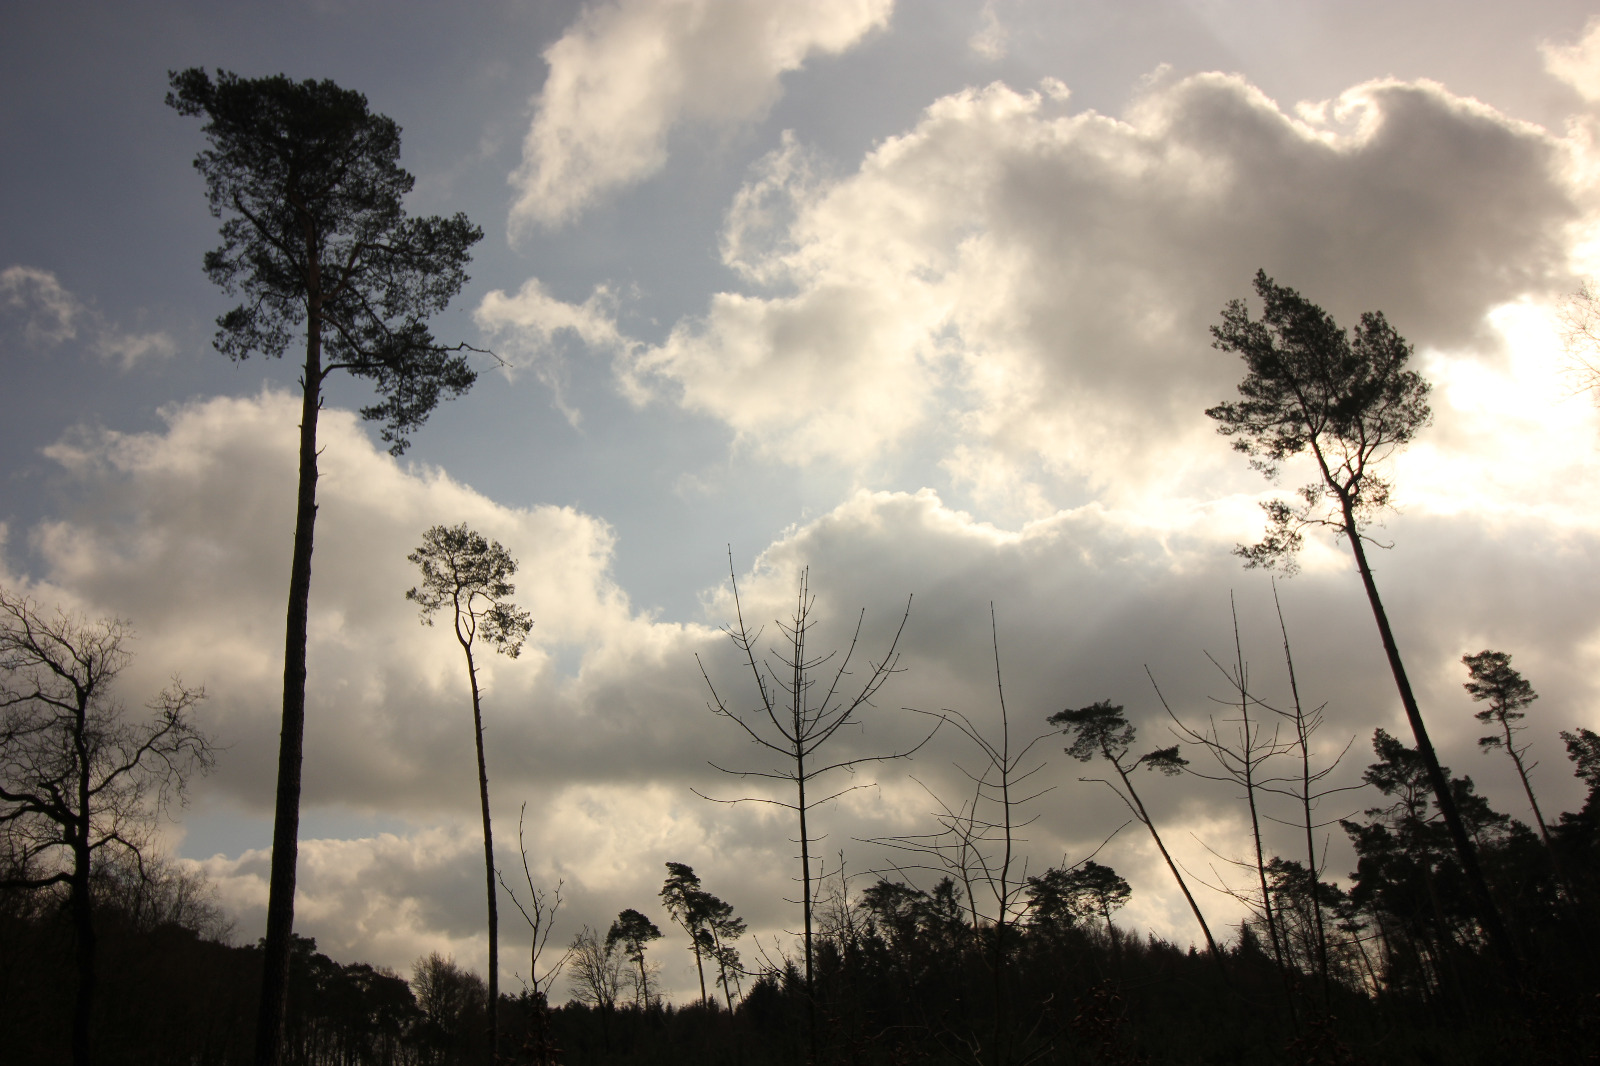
x=699 y=966
x=1144 y=816
x=1247 y=758
x=488 y=860
x=797 y=695
x=1527 y=787
x=84 y=949
x=1304 y=742
x=291 y=740
x=1488 y=913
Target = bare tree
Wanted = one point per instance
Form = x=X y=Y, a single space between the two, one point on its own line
x=795 y=718
x=540 y=914
x=978 y=841
x=1580 y=335
x=80 y=781
x=595 y=972
x=1306 y=723
x=451 y=999
x=1241 y=759
x=471 y=575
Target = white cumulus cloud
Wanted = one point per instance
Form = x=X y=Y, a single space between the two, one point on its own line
x=1010 y=282
x=629 y=71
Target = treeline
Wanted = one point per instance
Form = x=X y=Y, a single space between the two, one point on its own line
x=1391 y=968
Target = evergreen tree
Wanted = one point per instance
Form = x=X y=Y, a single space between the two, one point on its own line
x=309 y=188
x=1351 y=402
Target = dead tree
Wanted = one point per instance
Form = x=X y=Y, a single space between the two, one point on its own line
x=1305 y=724
x=1241 y=759
x=978 y=841
x=794 y=719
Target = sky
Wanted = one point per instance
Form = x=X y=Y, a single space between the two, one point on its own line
x=915 y=295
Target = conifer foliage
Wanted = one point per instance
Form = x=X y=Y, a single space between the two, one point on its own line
x=308 y=184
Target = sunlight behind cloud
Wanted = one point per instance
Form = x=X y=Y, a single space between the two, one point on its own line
x=1028 y=292
x=1577 y=64
x=606 y=756
x=1510 y=437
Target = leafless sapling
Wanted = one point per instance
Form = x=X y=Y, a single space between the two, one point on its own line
x=1241 y=759
x=794 y=719
x=1308 y=792
x=978 y=841
x=540 y=914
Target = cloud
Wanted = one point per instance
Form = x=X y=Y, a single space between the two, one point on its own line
x=49 y=316
x=527 y=326
x=602 y=726
x=1007 y=283
x=1577 y=64
x=990 y=41
x=48 y=312
x=192 y=522
x=629 y=71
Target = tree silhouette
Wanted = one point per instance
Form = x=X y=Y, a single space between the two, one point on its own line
x=79 y=781
x=1409 y=870
x=1583 y=748
x=1496 y=682
x=471 y=576
x=1101 y=729
x=1580 y=335
x=685 y=901
x=979 y=841
x=1242 y=759
x=1058 y=898
x=1351 y=403
x=794 y=723
x=315 y=238
x=452 y=1001
x=540 y=914
x=721 y=928
x=633 y=931
x=595 y=972
x=1306 y=723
